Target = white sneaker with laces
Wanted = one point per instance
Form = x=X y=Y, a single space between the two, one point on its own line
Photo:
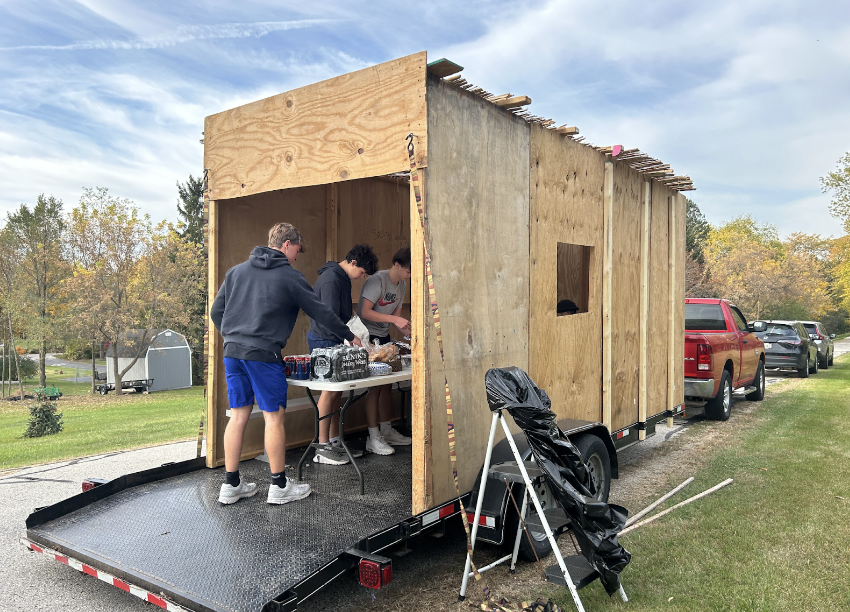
x=394 y=438
x=378 y=446
x=230 y=494
x=291 y=492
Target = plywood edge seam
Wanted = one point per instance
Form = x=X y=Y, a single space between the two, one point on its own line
x=644 y=304
x=607 y=288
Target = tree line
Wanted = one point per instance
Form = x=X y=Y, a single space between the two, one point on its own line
x=84 y=277
x=801 y=276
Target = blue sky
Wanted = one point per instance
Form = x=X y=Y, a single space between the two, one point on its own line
x=748 y=97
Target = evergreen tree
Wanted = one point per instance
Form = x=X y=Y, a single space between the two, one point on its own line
x=696 y=231
x=190 y=208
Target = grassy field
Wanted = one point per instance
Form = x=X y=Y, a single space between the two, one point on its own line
x=97 y=424
x=778 y=538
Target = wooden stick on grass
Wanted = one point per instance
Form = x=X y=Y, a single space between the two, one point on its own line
x=658 y=502
x=726 y=482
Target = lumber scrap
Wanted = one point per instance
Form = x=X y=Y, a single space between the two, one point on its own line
x=442 y=68
x=513 y=102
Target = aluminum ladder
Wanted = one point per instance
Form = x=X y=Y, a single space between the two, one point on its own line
x=574 y=572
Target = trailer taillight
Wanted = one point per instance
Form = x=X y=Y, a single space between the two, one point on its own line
x=374 y=575
x=704 y=357
x=91 y=483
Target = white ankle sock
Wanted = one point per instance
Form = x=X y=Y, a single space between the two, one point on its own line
x=335 y=441
x=386 y=427
x=374 y=432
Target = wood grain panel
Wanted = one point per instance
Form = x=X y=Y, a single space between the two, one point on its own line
x=566 y=206
x=375 y=212
x=352 y=126
x=658 y=301
x=678 y=292
x=422 y=477
x=625 y=297
x=477 y=198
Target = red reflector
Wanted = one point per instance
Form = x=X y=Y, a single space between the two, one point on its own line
x=121 y=584
x=61 y=559
x=619 y=434
x=386 y=574
x=447 y=510
x=89 y=570
x=87 y=486
x=35 y=548
x=157 y=601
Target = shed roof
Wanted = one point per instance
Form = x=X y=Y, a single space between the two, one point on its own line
x=130 y=341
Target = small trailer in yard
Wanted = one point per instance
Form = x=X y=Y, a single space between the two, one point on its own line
x=519 y=217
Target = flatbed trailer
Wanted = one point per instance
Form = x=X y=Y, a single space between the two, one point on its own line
x=517 y=216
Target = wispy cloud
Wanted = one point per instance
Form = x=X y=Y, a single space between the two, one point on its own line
x=182 y=34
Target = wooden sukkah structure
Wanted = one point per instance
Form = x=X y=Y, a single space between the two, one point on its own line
x=521 y=214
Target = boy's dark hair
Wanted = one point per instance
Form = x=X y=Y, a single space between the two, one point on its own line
x=365 y=258
x=402 y=257
x=566 y=307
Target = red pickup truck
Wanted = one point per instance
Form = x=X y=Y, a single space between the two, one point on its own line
x=721 y=354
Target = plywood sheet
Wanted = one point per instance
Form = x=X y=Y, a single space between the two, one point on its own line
x=565 y=353
x=477 y=199
x=625 y=297
x=658 y=301
x=678 y=292
x=348 y=127
x=375 y=212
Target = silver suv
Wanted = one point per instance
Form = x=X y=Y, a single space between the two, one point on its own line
x=826 y=347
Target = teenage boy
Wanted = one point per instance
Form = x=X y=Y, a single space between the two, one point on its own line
x=380 y=307
x=255 y=310
x=333 y=287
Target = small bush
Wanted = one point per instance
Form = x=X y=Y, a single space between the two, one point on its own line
x=29 y=368
x=44 y=420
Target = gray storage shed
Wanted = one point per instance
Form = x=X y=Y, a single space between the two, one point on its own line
x=168 y=359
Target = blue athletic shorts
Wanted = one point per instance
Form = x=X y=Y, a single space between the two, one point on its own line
x=262 y=381
x=314 y=342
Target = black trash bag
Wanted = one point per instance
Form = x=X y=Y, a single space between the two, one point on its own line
x=594 y=523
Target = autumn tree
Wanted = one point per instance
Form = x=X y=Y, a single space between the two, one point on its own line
x=37 y=236
x=764 y=276
x=698 y=282
x=838 y=183
x=9 y=310
x=127 y=273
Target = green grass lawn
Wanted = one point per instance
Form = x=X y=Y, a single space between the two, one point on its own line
x=97 y=424
x=778 y=538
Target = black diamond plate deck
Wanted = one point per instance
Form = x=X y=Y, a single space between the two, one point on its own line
x=175 y=533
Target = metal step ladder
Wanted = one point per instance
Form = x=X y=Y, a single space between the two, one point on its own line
x=574 y=572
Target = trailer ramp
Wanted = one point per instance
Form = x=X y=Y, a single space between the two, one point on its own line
x=171 y=536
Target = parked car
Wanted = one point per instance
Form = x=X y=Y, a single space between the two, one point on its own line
x=721 y=354
x=787 y=346
x=826 y=347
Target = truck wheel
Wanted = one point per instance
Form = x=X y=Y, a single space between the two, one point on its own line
x=595 y=455
x=103 y=390
x=824 y=363
x=758 y=394
x=541 y=543
x=719 y=407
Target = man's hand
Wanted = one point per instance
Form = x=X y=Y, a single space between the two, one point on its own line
x=357 y=341
x=402 y=324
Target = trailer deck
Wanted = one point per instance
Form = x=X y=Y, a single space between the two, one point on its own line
x=172 y=536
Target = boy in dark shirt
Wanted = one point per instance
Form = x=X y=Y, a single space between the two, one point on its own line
x=333 y=287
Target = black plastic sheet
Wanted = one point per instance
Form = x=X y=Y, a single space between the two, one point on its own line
x=594 y=523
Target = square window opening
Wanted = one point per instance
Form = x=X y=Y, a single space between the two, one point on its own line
x=574 y=265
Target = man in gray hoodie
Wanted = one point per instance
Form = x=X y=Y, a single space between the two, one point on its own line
x=255 y=311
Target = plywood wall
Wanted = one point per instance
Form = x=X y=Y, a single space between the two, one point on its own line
x=477 y=200
x=659 y=250
x=625 y=296
x=677 y=266
x=344 y=128
x=565 y=353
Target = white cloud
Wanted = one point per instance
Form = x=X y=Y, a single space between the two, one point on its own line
x=182 y=34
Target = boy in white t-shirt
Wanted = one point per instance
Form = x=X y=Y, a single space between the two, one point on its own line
x=380 y=306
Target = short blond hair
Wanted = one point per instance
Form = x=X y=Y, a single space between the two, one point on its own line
x=281 y=232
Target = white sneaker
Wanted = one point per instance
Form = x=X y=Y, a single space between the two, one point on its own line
x=378 y=446
x=331 y=456
x=291 y=492
x=393 y=438
x=230 y=494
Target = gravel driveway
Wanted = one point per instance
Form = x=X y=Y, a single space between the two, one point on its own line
x=32 y=582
